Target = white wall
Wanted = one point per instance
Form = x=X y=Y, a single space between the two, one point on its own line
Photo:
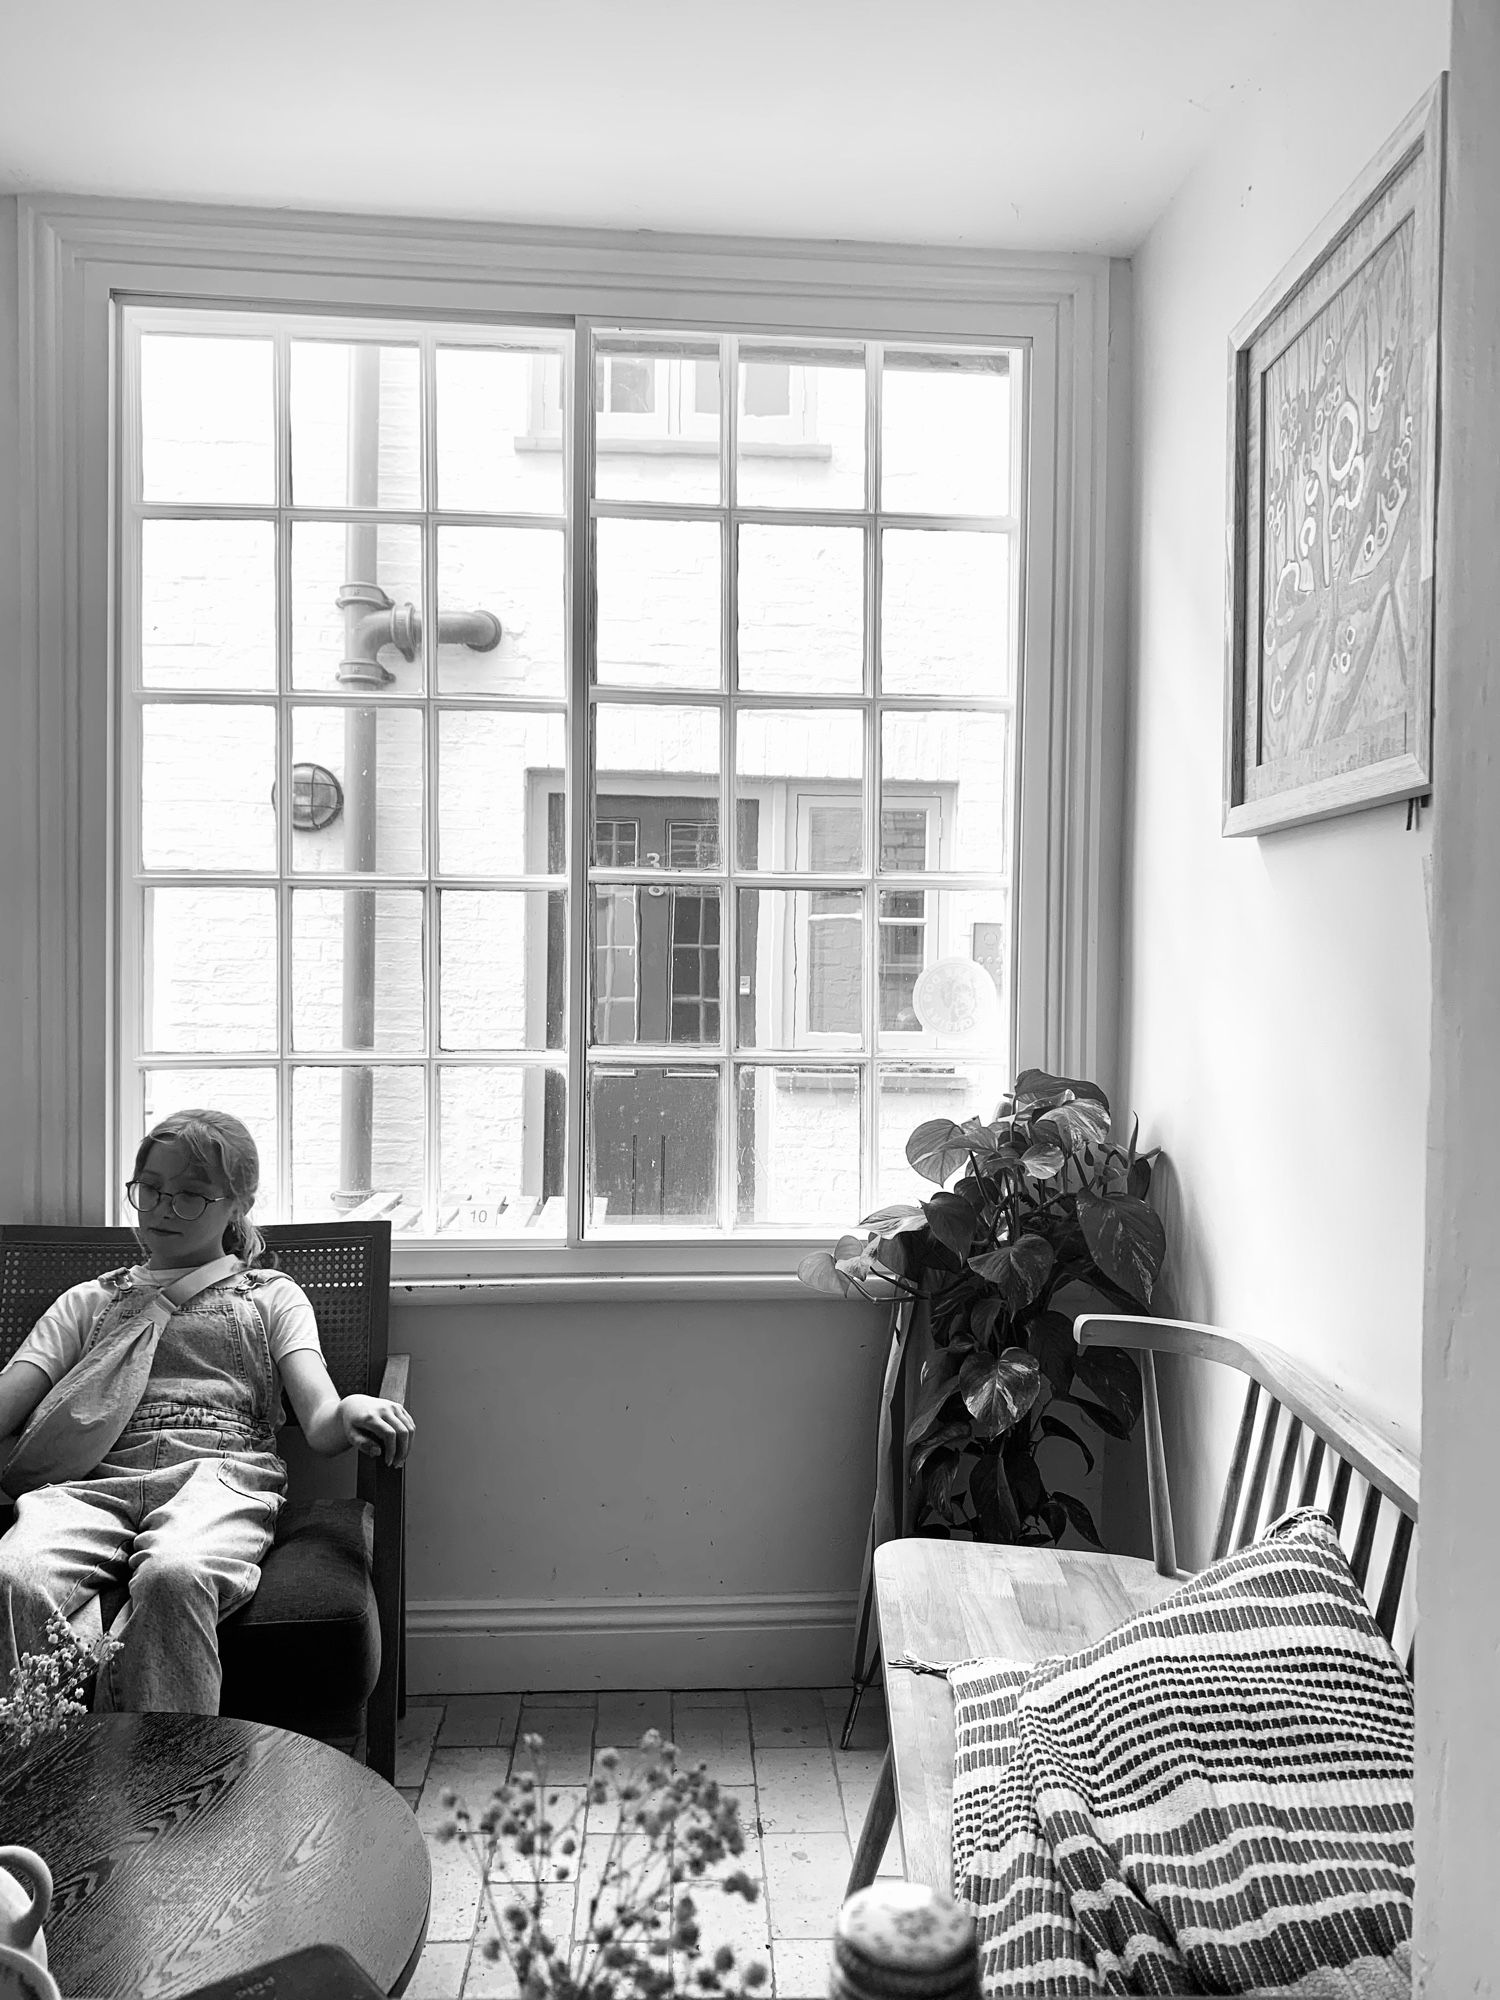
x=1276 y=990
x=651 y=1493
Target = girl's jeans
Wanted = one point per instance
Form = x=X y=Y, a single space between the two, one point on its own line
x=182 y=1516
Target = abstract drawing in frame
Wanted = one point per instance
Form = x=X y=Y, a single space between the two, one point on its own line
x=1332 y=515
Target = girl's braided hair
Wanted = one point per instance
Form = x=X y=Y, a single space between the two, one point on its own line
x=219 y=1144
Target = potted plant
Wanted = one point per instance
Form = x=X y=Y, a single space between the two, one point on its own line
x=1039 y=1215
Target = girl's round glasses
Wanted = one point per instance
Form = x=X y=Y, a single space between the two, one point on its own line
x=186 y=1207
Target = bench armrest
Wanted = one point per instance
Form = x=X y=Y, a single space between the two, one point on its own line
x=1375 y=1450
x=393 y=1381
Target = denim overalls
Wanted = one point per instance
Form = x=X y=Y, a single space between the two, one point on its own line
x=181 y=1509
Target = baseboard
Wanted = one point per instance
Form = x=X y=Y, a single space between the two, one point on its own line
x=498 y=1645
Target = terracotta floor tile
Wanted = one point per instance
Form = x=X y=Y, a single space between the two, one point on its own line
x=805 y=1878
x=568 y=1734
x=624 y=1718
x=440 y=1972
x=797 y=1791
x=788 y=1718
x=479 y=1720
x=415 y=1733
x=800 y=1966
x=719 y=1737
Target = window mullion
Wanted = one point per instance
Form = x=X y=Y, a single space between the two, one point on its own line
x=578 y=499
x=874 y=368
x=281 y=391
x=728 y=809
x=431 y=934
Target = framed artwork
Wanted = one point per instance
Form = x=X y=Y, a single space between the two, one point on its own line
x=1332 y=505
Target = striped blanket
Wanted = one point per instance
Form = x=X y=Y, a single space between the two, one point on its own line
x=1215 y=1798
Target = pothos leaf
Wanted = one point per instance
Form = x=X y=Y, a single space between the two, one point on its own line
x=1056 y=1428
x=1081 y=1518
x=930 y=1407
x=949 y=1437
x=1101 y=1419
x=937 y=1480
x=998 y=1389
x=1043 y=1161
x=989 y=1490
x=1036 y=1090
x=1050 y=1338
x=818 y=1272
x=937 y=1148
x=1073 y=1126
x=1112 y=1378
x=951 y=1220
x=1017 y=1270
x=901 y=1215
x=1126 y=1240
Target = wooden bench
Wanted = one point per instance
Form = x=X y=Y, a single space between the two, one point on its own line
x=1299 y=1444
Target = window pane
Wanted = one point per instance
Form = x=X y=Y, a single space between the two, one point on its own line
x=503 y=968
x=797 y=1146
x=210 y=971
x=963 y=758
x=659 y=622
x=357 y=1132
x=943 y=972
x=656 y=418
x=208 y=604
x=809 y=449
x=656 y=768
x=802 y=610
x=501 y=1137
x=910 y=1093
x=332 y=643
x=356 y=424
x=945 y=613
x=356 y=969
x=500 y=791
x=801 y=968
x=656 y=964
x=513 y=576
x=247 y=1094
x=785 y=758
x=500 y=437
x=208 y=776
x=375 y=754
x=653 y=1145
x=206 y=419
x=945 y=434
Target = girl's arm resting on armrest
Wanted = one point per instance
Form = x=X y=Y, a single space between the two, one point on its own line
x=331 y=1423
x=22 y=1387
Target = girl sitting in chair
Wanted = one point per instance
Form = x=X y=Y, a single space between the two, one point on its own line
x=153 y=1394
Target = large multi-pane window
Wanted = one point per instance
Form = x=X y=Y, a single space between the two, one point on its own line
x=567 y=822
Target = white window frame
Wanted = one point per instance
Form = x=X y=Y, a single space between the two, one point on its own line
x=80 y=257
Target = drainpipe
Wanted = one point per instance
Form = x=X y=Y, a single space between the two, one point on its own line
x=371 y=620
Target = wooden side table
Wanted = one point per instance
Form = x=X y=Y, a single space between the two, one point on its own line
x=188 y=1848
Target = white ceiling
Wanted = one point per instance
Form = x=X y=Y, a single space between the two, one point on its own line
x=1032 y=124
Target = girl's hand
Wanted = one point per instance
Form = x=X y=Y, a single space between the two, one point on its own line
x=377 y=1427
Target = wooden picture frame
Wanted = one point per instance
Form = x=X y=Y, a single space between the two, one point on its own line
x=1332 y=504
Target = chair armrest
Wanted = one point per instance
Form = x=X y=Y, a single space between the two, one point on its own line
x=393 y=1381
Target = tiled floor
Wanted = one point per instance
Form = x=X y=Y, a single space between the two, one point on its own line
x=802 y=1801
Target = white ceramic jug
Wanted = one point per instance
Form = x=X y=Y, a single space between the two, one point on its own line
x=25 y=1899
x=21 y=1978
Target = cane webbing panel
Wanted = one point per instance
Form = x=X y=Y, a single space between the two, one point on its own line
x=344 y=1267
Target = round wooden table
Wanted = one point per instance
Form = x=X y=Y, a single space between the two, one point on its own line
x=187 y=1848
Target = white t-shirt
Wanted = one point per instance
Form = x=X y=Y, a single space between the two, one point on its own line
x=56 y=1341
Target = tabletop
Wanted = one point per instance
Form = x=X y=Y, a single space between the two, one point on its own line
x=188 y=1848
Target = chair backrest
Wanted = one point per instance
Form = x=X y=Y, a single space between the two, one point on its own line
x=1299 y=1444
x=344 y=1267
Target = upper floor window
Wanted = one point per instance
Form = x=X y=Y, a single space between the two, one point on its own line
x=566 y=845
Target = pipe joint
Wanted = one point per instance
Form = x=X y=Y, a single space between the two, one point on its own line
x=372 y=621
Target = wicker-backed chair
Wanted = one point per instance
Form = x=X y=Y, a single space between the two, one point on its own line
x=321 y=1646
